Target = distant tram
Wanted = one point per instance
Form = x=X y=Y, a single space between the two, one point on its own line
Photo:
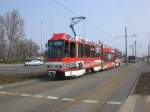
x=72 y=57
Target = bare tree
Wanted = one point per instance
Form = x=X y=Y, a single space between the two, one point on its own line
x=27 y=49
x=2 y=40
x=32 y=48
x=13 y=44
x=14 y=26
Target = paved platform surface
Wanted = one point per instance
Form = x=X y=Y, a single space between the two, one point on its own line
x=136 y=103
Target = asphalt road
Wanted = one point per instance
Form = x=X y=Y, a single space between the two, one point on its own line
x=99 y=92
x=13 y=69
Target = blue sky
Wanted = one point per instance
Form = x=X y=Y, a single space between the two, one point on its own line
x=105 y=19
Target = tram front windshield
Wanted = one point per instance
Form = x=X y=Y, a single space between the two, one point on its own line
x=56 y=49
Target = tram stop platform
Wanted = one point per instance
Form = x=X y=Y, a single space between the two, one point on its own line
x=136 y=103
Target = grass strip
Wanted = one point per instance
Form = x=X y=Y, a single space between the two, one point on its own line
x=143 y=84
x=7 y=79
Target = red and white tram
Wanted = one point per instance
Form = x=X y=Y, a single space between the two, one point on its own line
x=69 y=56
x=109 y=57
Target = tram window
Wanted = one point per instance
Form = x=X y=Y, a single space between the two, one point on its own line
x=98 y=52
x=66 y=52
x=106 y=56
x=92 y=52
x=109 y=57
x=72 y=49
x=113 y=59
x=82 y=50
x=87 y=51
x=79 y=50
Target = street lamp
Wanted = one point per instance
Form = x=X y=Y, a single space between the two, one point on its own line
x=41 y=38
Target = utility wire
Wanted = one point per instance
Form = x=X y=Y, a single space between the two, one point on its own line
x=125 y=15
x=66 y=8
x=76 y=14
x=99 y=29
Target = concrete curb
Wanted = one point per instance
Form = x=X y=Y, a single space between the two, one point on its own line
x=130 y=104
x=136 y=103
x=134 y=84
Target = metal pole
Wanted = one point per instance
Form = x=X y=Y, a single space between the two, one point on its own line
x=148 y=49
x=132 y=49
x=135 y=47
x=41 y=40
x=148 y=53
x=126 y=47
x=115 y=57
x=84 y=29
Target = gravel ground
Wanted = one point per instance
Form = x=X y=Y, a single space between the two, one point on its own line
x=143 y=84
